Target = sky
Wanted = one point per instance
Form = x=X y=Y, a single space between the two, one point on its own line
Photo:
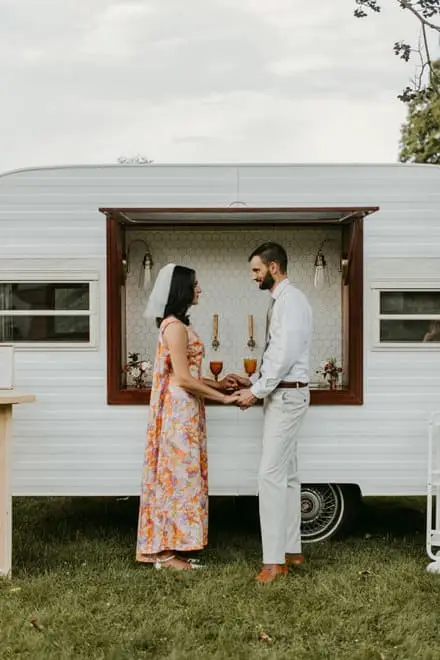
x=87 y=81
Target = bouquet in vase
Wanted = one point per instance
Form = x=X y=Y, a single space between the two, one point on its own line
x=138 y=370
x=331 y=372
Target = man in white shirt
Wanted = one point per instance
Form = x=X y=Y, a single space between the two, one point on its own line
x=283 y=383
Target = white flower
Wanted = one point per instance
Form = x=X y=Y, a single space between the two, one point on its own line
x=146 y=365
x=136 y=372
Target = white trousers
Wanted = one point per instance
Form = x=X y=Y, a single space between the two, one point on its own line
x=279 y=488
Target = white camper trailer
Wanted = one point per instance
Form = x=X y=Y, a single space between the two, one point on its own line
x=364 y=245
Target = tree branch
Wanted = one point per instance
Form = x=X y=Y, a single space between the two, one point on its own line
x=424 y=11
x=407 y=4
x=418 y=83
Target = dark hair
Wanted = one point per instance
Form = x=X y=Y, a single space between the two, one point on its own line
x=181 y=294
x=269 y=252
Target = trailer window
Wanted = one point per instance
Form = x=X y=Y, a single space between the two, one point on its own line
x=57 y=313
x=338 y=309
x=409 y=317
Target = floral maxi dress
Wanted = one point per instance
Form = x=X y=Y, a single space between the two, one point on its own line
x=173 y=512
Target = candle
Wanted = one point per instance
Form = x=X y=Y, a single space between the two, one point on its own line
x=251 y=325
x=215 y=326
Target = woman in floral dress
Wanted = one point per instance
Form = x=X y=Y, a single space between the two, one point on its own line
x=173 y=514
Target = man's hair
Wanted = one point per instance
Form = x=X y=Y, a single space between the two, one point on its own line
x=271 y=252
x=181 y=294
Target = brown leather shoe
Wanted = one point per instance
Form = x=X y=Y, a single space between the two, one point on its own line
x=294 y=559
x=270 y=573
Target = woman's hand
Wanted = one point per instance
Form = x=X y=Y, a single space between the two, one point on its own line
x=231 y=398
x=241 y=381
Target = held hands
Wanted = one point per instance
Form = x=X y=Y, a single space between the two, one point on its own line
x=244 y=399
x=234 y=382
x=241 y=396
x=229 y=399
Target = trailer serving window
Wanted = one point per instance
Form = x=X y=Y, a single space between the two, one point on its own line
x=125 y=304
x=54 y=312
x=406 y=317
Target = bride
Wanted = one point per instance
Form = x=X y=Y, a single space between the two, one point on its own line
x=173 y=512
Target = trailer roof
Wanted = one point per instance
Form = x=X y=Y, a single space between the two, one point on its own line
x=222 y=165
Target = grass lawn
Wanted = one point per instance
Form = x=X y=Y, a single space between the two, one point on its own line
x=77 y=592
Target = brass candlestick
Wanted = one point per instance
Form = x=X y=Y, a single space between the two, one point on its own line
x=215 y=342
x=251 y=341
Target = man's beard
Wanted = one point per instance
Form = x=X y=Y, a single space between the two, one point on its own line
x=267 y=283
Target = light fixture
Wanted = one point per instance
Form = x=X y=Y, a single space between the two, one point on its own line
x=320 y=280
x=146 y=266
x=344 y=270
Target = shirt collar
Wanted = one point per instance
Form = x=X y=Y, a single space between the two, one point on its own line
x=278 y=290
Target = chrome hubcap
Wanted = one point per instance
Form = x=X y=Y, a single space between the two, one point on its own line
x=320 y=509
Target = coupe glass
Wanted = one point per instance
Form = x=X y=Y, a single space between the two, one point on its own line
x=250 y=366
x=216 y=367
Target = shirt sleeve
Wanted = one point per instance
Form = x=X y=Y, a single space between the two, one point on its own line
x=287 y=337
x=253 y=378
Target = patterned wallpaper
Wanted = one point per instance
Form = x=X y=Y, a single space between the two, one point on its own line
x=220 y=259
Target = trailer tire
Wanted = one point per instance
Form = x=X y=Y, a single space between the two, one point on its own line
x=327 y=510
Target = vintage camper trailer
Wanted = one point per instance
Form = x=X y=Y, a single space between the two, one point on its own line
x=363 y=241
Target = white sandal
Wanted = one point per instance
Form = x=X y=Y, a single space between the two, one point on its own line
x=192 y=563
x=158 y=563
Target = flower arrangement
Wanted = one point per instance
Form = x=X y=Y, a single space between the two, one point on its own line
x=137 y=370
x=330 y=371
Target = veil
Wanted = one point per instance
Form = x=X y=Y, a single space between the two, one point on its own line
x=158 y=298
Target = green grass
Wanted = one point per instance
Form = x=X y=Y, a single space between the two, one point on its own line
x=77 y=592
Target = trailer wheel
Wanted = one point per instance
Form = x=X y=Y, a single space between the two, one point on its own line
x=326 y=509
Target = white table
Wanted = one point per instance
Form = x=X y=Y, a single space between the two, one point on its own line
x=8 y=398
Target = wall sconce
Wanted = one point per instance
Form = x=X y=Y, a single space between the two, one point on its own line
x=146 y=264
x=321 y=278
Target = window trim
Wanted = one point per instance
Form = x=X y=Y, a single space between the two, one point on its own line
x=417 y=284
x=353 y=249
x=17 y=276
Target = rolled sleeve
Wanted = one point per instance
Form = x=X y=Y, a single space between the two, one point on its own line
x=253 y=378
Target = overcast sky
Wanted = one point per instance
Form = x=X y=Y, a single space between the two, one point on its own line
x=85 y=81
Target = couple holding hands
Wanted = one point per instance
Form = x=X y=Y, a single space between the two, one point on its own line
x=173 y=514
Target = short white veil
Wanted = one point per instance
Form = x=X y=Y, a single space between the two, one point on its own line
x=159 y=296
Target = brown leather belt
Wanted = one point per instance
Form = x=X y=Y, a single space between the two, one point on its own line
x=291 y=384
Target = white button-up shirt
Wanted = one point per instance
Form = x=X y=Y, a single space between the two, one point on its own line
x=287 y=355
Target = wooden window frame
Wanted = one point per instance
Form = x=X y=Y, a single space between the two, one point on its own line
x=352 y=393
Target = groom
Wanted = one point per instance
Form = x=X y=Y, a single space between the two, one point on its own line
x=283 y=383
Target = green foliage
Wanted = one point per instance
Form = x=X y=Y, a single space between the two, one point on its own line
x=420 y=138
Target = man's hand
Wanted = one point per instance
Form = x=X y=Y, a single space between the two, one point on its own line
x=229 y=382
x=246 y=399
x=242 y=381
x=233 y=382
